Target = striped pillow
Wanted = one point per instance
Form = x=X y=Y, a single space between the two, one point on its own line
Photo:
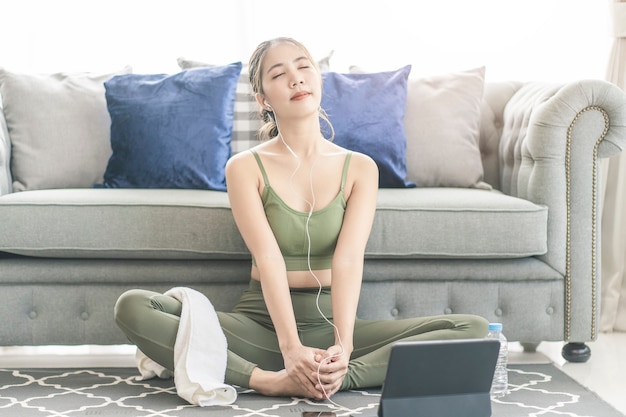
x=247 y=121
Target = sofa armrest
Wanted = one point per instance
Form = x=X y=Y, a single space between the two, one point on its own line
x=552 y=138
x=5 y=156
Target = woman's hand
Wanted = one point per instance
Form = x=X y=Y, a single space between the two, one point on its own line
x=332 y=367
x=301 y=366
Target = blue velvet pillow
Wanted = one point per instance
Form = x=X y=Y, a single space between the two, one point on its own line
x=171 y=131
x=367 y=113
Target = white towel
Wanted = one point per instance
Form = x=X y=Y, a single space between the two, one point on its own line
x=199 y=353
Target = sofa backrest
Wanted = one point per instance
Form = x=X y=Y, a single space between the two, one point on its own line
x=5 y=155
x=495 y=98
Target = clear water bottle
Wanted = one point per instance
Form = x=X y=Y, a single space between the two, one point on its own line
x=499 y=386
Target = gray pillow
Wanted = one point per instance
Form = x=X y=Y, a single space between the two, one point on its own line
x=442 y=122
x=59 y=128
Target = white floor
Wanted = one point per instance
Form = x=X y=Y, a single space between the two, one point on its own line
x=604 y=373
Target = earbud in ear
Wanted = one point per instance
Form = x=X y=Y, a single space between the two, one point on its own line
x=268 y=105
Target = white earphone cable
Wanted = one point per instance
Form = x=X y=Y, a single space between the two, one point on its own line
x=311 y=205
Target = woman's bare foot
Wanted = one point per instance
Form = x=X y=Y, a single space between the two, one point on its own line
x=278 y=384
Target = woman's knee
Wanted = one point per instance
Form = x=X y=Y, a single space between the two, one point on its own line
x=147 y=325
x=131 y=306
x=477 y=326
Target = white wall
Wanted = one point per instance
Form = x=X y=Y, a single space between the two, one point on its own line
x=548 y=40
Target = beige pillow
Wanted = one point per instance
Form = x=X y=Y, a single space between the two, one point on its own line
x=59 y=128
x=442 y=122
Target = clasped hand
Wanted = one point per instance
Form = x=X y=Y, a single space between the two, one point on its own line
x=320 y=372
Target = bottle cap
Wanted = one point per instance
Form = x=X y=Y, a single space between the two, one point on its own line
x=495 y=327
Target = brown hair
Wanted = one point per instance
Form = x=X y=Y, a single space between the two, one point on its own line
x=270 y=128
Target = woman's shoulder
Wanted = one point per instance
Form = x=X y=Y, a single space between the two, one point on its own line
x=362 y=167
x=359 y=162
x=244 y=161
x=362 y=162
x=240 y=164
x=355 y=155
x=239 y=158
x=247 y=155
x=362 y=158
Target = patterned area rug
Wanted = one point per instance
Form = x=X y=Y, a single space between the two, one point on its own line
x=535 y=390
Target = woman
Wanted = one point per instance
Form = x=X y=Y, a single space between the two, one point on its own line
x=304 y=207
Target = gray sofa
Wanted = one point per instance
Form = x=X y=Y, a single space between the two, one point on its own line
x=524 y=253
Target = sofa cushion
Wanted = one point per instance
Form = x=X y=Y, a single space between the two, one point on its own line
x=171 y=131
x=367 y=114
x=456 y=223
x=120 y=223
x=198 y=224
x=58 y=126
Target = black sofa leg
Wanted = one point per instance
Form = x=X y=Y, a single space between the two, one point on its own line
x=576 y=352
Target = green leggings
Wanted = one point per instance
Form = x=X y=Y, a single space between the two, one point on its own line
x=150 y=321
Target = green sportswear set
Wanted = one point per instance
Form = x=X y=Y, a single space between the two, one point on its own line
x=150 y=320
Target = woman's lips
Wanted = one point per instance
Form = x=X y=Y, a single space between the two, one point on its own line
x=299 y=96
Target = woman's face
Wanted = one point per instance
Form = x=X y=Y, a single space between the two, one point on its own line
x=291 y=83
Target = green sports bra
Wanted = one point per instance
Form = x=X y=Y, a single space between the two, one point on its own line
x=290 y=226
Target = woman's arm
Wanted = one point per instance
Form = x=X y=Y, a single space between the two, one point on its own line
x=243 y=192
x=347 y=267
x=347 y=270
x=244 y=181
